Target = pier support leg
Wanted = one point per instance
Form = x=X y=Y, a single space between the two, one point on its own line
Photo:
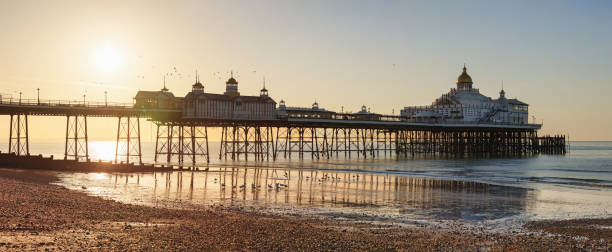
x=293 y=142
x=322 y=143
x=194 y=144
x=280 y=143
x=162 y=142
x=223 y=144
x=77 y=146
x=128 y=145
x=247 y=141
x=19 y=141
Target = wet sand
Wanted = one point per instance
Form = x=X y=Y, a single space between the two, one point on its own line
x=36 y=215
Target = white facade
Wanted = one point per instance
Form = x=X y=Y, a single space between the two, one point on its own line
x=467 y=104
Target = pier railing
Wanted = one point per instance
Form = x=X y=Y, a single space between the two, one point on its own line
x=402 y=119
x=4 y=100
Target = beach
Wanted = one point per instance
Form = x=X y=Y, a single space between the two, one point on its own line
x=38 y=215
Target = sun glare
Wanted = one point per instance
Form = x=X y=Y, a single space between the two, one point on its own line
x=104 y=151
x=108 y=59
x=98 y=176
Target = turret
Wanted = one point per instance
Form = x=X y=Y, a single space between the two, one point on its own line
x=464 y=82
x=315 y=105
x=231 y=86
x=197 y=88
x=281 y=105
x=264 y=91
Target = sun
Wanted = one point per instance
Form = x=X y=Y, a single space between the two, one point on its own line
x=108 y=59
x=102 y=150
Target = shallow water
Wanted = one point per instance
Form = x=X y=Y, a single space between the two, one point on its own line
x=576 y=185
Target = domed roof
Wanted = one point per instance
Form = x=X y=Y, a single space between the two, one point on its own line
x=231 y=81
x=464 y=77
x=198 y=85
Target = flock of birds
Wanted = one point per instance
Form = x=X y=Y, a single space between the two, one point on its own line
x=173 y=72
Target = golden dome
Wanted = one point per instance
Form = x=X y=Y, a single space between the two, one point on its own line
x=464 y=77
x=231 y=80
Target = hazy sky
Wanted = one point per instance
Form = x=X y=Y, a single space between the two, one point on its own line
x=554 y=55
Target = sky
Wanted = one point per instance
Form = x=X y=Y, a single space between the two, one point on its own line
x=554 y=55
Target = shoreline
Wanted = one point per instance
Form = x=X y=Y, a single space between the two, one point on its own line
x=39 y=162
x=35 y=214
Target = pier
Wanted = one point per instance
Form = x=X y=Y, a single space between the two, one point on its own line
x=185 y=141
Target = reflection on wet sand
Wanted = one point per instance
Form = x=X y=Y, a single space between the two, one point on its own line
x=379 y=193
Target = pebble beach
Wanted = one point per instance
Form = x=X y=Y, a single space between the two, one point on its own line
x=38 y=215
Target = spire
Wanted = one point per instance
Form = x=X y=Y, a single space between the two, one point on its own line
x=264 y=91
x=197 y=87
x=164 y=89
x=264 y=84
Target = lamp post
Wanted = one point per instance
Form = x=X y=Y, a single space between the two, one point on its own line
x=105 y=101
x=38 y=95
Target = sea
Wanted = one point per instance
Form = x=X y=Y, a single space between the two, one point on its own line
x=414 y=189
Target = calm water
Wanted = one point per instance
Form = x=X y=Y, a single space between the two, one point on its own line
x=576 y=185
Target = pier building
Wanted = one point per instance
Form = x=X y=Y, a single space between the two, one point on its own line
x=163 y=99
x=365 y=114
x=304 y=112
x=466 y=104
x=229 y=105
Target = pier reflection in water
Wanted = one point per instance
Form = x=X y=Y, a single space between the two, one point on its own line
x=375 y=194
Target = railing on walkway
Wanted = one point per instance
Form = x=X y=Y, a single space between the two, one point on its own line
x=4 y=100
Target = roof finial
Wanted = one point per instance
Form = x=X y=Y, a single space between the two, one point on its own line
x=232 y=73
x=264 y=82
x=197 y=77
x=164 y=89
x=464 y=69
x=502 y=85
